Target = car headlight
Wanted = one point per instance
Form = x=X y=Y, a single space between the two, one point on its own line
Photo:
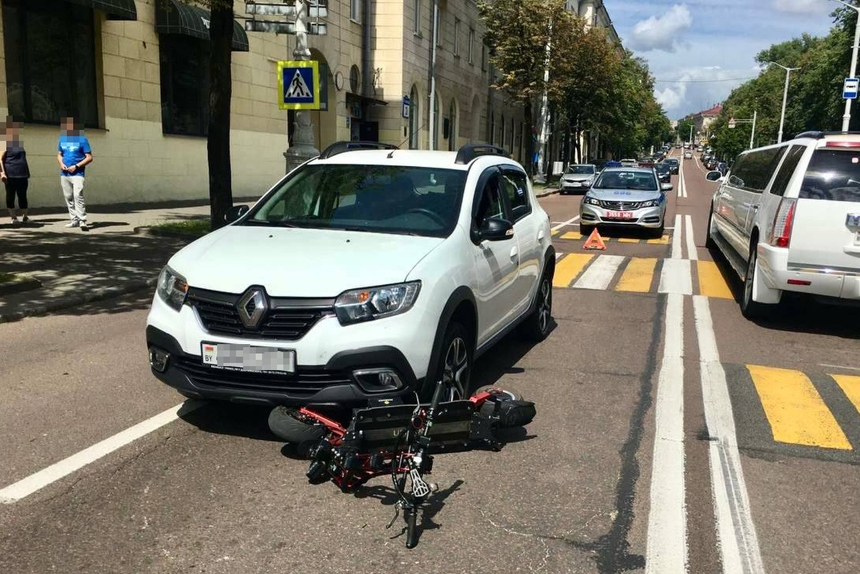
x=375 y=302
x=591 y=200
x=172 y=288
x=651 y=203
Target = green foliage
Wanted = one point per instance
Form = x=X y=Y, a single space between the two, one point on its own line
x=7 y=277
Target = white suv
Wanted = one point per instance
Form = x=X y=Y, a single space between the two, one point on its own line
x=787 y=218
x=364 y=274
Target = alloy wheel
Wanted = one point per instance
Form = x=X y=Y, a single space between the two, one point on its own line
x=456 y=369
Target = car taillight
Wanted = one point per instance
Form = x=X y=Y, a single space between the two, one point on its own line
x=780 y=233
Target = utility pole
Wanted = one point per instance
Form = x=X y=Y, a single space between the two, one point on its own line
x=543 y=133
x=846 y=119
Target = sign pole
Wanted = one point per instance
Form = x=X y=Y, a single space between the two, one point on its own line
x=304 y=146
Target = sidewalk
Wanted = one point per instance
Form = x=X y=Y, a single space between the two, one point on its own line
x=116 y=256
x=75 y=267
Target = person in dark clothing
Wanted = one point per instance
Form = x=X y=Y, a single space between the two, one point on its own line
x=14 y=172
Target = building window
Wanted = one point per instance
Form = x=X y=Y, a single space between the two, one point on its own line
x=50 y=61
x=414 y=126
x=439 y=27
x=456 y=37
x=417 y=17
x=355 y=10
x=453 y=128
x=483 y=57
x=471 y=45
x=354 y=80
x=184 y=85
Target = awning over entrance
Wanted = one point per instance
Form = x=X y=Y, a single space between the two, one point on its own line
x=359 y=99
x=176 y=17
x=115 y=9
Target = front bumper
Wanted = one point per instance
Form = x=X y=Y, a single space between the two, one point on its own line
x=647 y=217
x=573 y=186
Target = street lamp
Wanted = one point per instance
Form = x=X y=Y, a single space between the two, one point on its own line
x=788 y=72
x=846 y=119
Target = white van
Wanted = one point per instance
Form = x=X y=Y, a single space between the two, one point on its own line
x=787 y=217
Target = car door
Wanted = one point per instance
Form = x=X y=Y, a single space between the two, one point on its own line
x=526 y=228
x=496 y=262
x=730 y=205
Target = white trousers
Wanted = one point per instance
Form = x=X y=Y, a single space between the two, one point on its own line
x=73 y=191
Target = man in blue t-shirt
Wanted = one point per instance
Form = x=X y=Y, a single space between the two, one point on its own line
x=73 y=154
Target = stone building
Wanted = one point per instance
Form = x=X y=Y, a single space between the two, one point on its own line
x=135 y=72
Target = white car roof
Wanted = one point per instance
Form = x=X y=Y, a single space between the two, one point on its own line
x=411 y=158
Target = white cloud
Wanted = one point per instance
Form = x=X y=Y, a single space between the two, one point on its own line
x=799 y=6
x=662 y=33
x=697 y=88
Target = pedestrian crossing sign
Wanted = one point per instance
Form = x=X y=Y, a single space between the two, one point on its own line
x=298 y=85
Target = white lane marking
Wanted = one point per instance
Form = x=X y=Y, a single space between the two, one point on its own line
x=838 y=367
x=558 y=256
x=666 y=548
x=676 y=277
x=600 y=273
x=564 y=223
x=691 y=241
x=41 y=479
x=676 y=238
x=738 y=542
x=701 y=167
x=682 y=183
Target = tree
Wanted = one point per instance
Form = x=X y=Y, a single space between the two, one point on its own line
x=220 y=93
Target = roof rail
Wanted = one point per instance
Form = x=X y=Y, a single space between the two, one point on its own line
x=817 y=135
x=344 y=146
x=471 y=151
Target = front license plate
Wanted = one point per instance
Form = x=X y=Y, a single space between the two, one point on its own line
x=248 y=358
x=575 y=184
x=619 y=214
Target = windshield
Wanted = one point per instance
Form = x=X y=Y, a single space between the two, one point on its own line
x=832 y=175
x=661 y=167
x=672 y=161
x=381 y=199
x=619 y=179
x=581 y=169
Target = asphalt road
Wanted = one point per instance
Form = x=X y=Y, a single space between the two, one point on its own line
x=624 y=468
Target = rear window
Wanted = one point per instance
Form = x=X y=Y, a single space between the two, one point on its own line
x=832 y=175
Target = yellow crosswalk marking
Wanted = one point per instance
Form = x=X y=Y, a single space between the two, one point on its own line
x=711 y=281
x=637 y=276
x=662 y=241
x=850 y=385
x=572 y=235
x=796 y=412
x=627 y=240
x=569 y=267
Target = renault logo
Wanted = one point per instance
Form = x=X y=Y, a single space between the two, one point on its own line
x=252 y=306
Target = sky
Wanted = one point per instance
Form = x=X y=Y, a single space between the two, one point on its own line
x=688 y=41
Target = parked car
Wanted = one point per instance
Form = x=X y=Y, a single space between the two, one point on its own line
x=664 y=172
x=787 y=218
x=577 y=178
x=627 y=197
x=674 y=164
x=363 y=274
x=629 y=162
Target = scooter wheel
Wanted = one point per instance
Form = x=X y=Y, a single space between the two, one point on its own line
x=504 y=394
x=286 y=425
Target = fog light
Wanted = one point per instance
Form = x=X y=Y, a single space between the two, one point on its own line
x=375 y=380
x=158 y=359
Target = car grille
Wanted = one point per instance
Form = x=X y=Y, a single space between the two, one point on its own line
x=621 y=205
x=305 y=381
x=285 y=319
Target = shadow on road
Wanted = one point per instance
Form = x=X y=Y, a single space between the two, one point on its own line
x=232 y=420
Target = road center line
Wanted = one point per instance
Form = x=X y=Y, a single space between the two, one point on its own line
x=676 y=237
x=691 y=242
x=738 y=541
x=666 y=549
x=39 y=480
x=564 y=223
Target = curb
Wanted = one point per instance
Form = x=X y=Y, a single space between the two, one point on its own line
x=73 y=300
x=19 y=285
x=546 y=192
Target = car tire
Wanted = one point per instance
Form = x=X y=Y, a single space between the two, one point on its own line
x=286 y=424
x=658 y=232
x=709 y=241
x=585 y=230
x=536 y=327
x=750 y=308
x=455 y=361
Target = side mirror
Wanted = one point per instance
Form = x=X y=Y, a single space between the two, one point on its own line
x=235 y=213
x=666 y=187
x=713 y=176
x=495 y=229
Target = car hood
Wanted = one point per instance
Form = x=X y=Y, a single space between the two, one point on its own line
x=577 y=176
x=622 y=194
x=294 y=262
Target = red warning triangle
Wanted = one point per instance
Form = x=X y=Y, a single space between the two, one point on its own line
x=594 y=241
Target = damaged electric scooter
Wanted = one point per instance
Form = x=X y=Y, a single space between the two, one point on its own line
x=398 y=440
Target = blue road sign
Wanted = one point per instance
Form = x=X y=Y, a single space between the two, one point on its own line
x=298 y=85
x=404 y=108
x=849 y=88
